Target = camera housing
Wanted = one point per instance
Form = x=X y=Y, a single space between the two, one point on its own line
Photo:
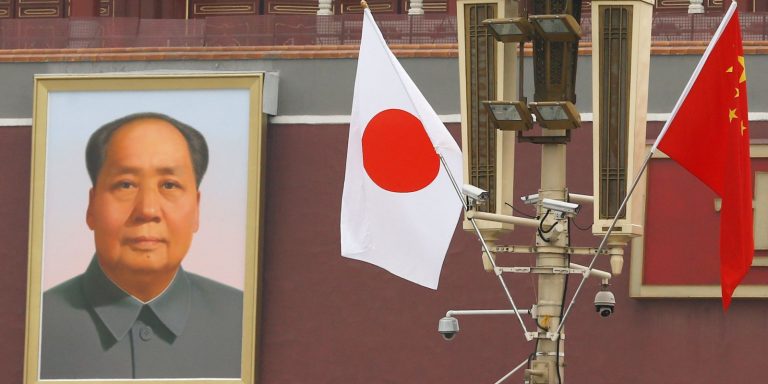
x=561 y=207
x=530 y=199
x=474 y=193
x=605 y=302
x=448 y=327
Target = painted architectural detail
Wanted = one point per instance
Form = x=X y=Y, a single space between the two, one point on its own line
x=696 y=6
x=324 y=8
x=417 y=7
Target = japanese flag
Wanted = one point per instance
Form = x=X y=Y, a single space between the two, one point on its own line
x=399 y=208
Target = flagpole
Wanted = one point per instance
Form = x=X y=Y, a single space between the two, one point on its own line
x=485 y=246
x=524 y=363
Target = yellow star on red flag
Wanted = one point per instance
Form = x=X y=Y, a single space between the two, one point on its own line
x=743 y=77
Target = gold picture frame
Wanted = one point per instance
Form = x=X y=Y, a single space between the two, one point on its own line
x=638 y=288
x=228 y=109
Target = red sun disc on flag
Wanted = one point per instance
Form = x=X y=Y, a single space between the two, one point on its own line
x=397 y=152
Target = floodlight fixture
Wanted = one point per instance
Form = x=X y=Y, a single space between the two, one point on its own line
x=556 y=114
x=556 y=27
x=510 y=115
x=511 y=30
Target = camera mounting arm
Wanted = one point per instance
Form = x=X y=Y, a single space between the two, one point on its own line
x=472 y=214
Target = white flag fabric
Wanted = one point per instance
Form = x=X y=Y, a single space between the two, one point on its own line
x=399 y=208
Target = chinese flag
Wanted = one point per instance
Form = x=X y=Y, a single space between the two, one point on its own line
x=708 y=134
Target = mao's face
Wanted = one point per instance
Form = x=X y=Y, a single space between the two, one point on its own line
x=143 y=210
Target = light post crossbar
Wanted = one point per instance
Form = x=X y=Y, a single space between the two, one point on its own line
x=589 y=269
x=485 y=246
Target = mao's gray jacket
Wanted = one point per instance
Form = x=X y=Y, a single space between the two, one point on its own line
x=92 y=329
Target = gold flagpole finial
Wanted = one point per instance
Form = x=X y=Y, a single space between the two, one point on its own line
x=364 y=4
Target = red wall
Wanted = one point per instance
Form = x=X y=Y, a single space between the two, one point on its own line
x=326 y=319
x=15 y=145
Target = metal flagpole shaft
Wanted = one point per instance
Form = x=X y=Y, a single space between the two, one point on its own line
x=453 y=181
x=605 y=238
x=485 y=246
x=513 y=371
x=501 y=280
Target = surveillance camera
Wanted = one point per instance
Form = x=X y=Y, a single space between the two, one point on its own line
x=448 y=327
x=605 y=302
x=474 y=193
x=562 y=207
x=530 y=199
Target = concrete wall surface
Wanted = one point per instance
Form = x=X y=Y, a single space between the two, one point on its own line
x=324 y=86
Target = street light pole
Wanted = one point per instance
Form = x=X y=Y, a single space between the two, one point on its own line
x=547 y=366
x=620 y=62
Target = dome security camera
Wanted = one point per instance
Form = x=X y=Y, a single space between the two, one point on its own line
x=605 y=302
x=448 y=327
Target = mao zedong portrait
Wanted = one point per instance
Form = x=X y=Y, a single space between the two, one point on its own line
x=135 y=312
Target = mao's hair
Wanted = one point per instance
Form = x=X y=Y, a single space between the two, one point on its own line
x=96 y=150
